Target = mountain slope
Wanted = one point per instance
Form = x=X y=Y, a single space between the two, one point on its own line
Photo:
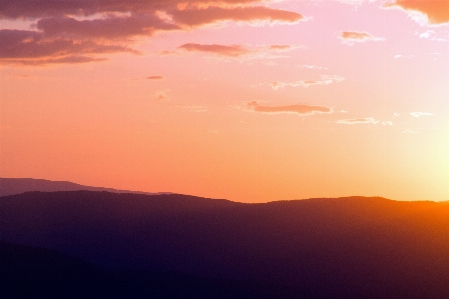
x=11 y=186
x=30 y=272
x=324 y=248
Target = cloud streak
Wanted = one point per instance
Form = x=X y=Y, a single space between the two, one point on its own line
x=324 y=80
x=355 y=121
x=419 y=114
x=223 y=50
x=290 y=109
x=34 y=48
x=200 y=17
x=351 y=37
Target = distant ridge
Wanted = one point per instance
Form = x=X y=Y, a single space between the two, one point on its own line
x=12 y=186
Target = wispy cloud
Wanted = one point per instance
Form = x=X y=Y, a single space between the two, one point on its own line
x=302 y=109
x=351 y=37
x=210 y=15
x=231 y=51
x=163 y=95
x=410 y=131
x=355 y=121
x=324 y=80
x=242 y=52
x=155 y=78
x=419 y=114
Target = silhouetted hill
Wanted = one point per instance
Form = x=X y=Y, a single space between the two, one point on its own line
x=30 y=272
x=324 y=248
x=11 y=186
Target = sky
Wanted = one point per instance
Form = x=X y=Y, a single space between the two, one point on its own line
x=247 y=100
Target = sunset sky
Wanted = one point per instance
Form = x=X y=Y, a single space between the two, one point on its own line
x=251 y=101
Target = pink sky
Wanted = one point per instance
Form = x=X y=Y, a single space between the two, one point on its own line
x=252 y=101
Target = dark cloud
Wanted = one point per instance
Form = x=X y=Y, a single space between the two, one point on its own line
x=62 y=33
x=113 y=27
x=155 y=78
x=28 y=47
x=198 y=17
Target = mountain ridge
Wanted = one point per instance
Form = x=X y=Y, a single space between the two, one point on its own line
x=12 y=186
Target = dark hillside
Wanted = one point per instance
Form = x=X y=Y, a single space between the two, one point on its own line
x=326 y=248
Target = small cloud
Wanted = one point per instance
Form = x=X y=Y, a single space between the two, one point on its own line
x=290 y=109
x=155 y=78
x=283 y=48
x=354 y=121
x=351 y=37
x=222 y=50
x=324 y=80
x=404 y=56
x=387 y=123
x=396 y=114
x=409 y=131
x=419 y=114
x=163 y=95
x=313 y=67
x=427 y=34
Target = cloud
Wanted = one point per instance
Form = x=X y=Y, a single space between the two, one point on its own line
x=427 y=34
x=354 y=121
x=387 y=123
x=350 y=37
x=431 y=12
x=313 y=67
x=284 y=48
x=242 y=52
x=200 y=17
x=43 y=8
x=34 y=48
x=223 y=50
x=65 y=30
x=410 y=131
x=163 y=95
x=404 y=56
x=325 y=80
x=295 y=109
x=280 y=47
x=112 y=27
x=419 y=114
x=155 y=78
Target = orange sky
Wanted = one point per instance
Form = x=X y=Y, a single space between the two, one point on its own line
x=252 y=101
